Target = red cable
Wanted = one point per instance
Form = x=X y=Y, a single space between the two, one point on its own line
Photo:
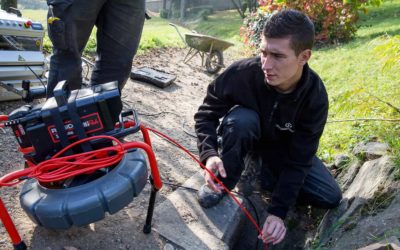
x=59 y=168
x=3 y=118
x=214 y=177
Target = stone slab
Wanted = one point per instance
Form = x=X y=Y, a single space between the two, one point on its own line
x=390 y=243
x=181 y=220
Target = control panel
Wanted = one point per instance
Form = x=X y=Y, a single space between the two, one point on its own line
x=11 y=24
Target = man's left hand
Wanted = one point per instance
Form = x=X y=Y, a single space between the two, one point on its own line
x=273 y=231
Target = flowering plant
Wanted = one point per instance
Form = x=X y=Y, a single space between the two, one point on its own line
x=334 y=20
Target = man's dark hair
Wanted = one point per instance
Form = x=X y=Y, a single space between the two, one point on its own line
x=293 y=24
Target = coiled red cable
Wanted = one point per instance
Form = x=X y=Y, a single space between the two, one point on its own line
x=3 y=118
x=63 y=167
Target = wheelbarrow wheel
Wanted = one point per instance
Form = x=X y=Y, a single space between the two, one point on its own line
x=214 y=62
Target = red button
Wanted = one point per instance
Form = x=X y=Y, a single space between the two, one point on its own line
x=28 y=24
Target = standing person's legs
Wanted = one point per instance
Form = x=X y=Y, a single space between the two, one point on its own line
x=69 y=36
x=240 y=131
x=120 y=25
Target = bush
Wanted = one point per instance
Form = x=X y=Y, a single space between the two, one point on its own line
x=252 y=27
x=195 y=10
x=47 y=45
x=152 y=42
x=388 y=50
x=200 y=12
x=164 y=13
x=335 y=21
x=91 y=47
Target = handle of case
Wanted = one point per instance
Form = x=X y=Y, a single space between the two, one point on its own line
x=60 y=93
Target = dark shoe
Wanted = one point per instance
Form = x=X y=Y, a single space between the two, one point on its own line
x=245 y=187
x=208 y=198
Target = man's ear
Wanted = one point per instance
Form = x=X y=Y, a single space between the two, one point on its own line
x=304 y=56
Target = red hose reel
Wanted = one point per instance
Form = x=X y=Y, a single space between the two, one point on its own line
x=53 y=173
x=78 y=167
x=84 y=134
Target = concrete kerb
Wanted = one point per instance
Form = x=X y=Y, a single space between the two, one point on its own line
x=181 y=220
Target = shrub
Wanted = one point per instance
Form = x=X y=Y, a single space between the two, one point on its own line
x=200 y=12
x=388 y=50
x=152 y=42
x=91 y=46
x=47 y=45
x=334 y=20
x=201 y=8
x=252 y=27
x=164 y=13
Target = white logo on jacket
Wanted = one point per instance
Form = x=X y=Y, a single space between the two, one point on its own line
x=288 y=127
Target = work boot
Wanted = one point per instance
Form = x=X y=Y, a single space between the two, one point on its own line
x=208 y=198
x=252 y=170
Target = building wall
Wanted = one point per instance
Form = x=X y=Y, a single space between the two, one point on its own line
x=156 y=5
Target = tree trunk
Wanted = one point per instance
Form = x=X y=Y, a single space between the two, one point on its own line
x=252 y=5
x=164 y=4
x=183 y=9
x=5 y=4
x=238 y=8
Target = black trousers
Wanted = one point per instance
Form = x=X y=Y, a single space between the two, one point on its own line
x=119 y=27
x=240 y=133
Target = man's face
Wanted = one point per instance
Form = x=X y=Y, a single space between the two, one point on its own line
x=281 y=67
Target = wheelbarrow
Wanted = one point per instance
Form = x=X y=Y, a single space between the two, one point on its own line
x=208 y=47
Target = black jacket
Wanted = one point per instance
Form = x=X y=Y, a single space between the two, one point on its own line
x=291 y=123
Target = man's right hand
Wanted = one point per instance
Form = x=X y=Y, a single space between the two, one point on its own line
x=273 y=231
x=215 y=165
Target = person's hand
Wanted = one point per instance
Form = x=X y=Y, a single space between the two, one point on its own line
x=215 y=165
x=273 y=231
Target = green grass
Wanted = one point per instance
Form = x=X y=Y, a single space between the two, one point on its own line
x=156 y=33
x=380 y=20
x=222 y=24
x=35 y=15
x=351 y=72
x=353 y=75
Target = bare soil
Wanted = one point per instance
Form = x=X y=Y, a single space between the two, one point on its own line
x=169 y=110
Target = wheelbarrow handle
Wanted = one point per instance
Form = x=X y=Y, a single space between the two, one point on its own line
x=177 y=30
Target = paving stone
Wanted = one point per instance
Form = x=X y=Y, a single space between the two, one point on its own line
x=181 y=220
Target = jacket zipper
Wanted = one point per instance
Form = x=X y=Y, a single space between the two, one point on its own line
x=276 y=103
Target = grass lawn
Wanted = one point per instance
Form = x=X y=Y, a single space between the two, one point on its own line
x=156 y=33
x=353 y=76
x=352 y=73
x=222 y=24
x=355 y=81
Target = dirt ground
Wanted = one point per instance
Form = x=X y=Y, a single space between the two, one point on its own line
x=169 y=110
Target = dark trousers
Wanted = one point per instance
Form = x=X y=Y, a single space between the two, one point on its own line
x=119 y=27
x=240 y=134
